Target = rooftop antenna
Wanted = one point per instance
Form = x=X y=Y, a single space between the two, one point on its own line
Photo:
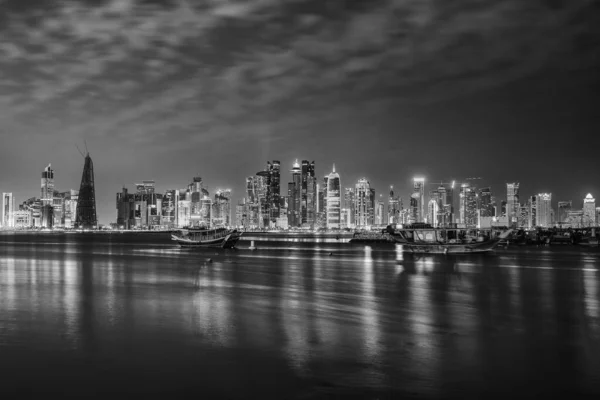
x=79 y=150
x=86 y=149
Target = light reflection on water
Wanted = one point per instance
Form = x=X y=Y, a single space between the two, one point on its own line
x=351 y=316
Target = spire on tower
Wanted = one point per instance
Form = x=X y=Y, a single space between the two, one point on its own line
x=334 y=167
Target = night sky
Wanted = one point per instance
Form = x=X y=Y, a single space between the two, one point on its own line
x=165 y=90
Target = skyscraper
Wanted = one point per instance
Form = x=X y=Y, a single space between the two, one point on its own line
x=8 y=209
x=333 y=200
x=564 y=207
x=468 y=206
x=544 y=210
x=295 y=195
x=262 y=182
x=417 y=200
x=47 y=191
x=393 y=208
x=221 y=215
x=363 y=203
x=379 y=211
x=350 y=206
x=512 y=202
x=86 y=204
x=589 y=210
x=307 y=201
x=275 y=195
x=486 y=206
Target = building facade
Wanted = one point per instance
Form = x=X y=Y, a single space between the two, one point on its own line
x=333 y=202
x=589 y=211
x=417 y=201
x=544 y=210
x=512 y=202
x=8 y=209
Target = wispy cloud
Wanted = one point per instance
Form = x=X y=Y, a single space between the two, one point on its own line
x=141 y=71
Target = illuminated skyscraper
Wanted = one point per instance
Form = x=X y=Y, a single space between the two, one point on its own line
x=47 y=191
x=379 y=211
x=417 y=201
x=589 y=210
x=363 y=203
x=333 y=200
x=275 y=192
x=295 y=195
x=468 y=206
x=543 y=216
x=8 y=209
x=523 y=216
x=221 y=213
x=307 y=201
x=486 y=206
x=512 y=202
x=350 y=206
x=433 y=209
x=86 y=205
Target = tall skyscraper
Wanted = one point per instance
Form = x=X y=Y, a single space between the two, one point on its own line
x=512 y=202
x=275 y=195
x=417 y=200
x=262 y=182
x=350 y=206
x=564 y=207
x=86 y=204
x=307 y=201
x=433 y=210
x=468 y=206
x=543 y=216
x=363 y=203
x=8 y=209
x=47 y=190
x=532 y=213
x=333 y=200
x=295 y=195
x=393 y=208
x=589 y=211
x=221 y=215
x=486 y=206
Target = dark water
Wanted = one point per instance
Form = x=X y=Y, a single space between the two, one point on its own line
x=130 y=316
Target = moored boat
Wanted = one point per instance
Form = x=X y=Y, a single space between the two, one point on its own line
x=447 y=240
x=201 y=237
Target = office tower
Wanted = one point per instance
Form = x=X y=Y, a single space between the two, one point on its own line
x=417 y=200
x=321 y=207
x=589 y=211
x=295 y=194
x=564 y=207
x=512 y=202
x=263 y=185
x=86 y=205
x=486 y=205
x=533 y=210
x=8 y=209
x=47 y=190
x=363 y=203
x=544 y=210
x=379 y=211
x=468 y=206
x=307 y=201
x=275 y=192
x=433 y=210
x=250 y=191
x=70 y=207
x=393 y=208
x=169 y=210
x=350 y=205
x=333 y=200
x=221 y=214
x=523 y=216
x=503 y=208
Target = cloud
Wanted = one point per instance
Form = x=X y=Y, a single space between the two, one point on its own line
x=138 y=70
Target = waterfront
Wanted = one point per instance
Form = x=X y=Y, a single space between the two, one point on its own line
x=125 y=314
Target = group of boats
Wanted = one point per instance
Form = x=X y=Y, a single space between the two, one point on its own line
x=416 y=239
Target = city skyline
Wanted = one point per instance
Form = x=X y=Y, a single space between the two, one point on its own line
x=166 y=91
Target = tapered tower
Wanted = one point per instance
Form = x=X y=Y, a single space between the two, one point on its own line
x=86 y=205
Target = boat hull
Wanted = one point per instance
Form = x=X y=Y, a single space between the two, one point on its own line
x=226 y=242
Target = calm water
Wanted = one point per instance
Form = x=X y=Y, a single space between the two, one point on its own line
x=102 y=315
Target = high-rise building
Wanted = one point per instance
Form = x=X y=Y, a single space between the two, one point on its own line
x=564 y=207
x=321 y=206
x=169 y=211
x=221 y=215
x=544 y=210
x=512 y=202
x=417 y=201
x=47 y=190
x=393 y=208
x=379 y=211
x=307 y=200
x=533 y=212
x=8 y=209
x=589 y=210
x=486 y=205
x=433 y=210
x=275 y=192
x=350 y=205
x=523 y=216
x=363 y=203
x=262 y=182
x=333 y=200
x=503 y=207
x=295 y=195
x=86 y=205
x=468 y=206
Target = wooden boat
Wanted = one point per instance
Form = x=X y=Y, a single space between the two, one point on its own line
x=447 y=240
x=202 y=237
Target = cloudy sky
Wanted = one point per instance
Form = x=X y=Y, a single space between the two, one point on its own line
x=386 y=89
